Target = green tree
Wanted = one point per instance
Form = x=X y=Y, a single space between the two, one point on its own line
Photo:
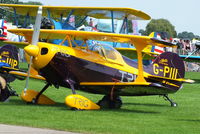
x=186 y=35
x=160 y=25
x=142 y=32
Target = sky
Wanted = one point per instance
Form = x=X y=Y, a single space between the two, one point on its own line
x=183 y=14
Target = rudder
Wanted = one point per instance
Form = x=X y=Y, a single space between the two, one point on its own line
x=169 y=65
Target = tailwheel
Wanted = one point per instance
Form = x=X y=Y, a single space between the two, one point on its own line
x=173 y=104
x=107 y=102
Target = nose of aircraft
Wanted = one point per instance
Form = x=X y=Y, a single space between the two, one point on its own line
x=42 y=54
x=32 y=50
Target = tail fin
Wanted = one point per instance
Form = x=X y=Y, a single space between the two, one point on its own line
x=170 y=66
x=152 y=34
x=154 y=49
x=9 y=56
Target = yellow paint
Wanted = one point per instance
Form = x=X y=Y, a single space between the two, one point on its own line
x=34 y=75
x=166 y=70
x=86 y=35
x=139 y=47
x=155 y=70
x=31 y=94
x=115 y=83
x=80 y=102
x=171 y=84
x=56 y=11
x=32 y=50
x=140 y=42
x=42 y=60
x=170 y=71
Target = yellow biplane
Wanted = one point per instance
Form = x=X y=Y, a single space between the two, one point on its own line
x=97 y=68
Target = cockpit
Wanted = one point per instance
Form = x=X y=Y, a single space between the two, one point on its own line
x=106 y=51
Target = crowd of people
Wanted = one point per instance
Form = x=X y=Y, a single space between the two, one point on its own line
x=184 y=46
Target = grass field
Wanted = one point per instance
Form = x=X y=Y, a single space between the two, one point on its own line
x=138 y=115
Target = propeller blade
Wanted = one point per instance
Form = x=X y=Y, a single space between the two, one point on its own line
x=34 y=41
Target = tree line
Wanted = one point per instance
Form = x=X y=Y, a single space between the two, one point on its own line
x=163 y=25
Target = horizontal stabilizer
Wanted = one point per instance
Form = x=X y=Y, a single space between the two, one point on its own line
x=159 y=78
x=164 y=42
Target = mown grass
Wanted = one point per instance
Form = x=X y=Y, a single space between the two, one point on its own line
x=138 y=115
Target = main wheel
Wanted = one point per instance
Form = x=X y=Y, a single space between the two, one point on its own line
x=106 y=102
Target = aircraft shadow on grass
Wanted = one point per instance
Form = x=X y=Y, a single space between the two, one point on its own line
x=189 y=120
x=122 y=110
x=62 y=106
x=147 y=104
x=18 y=102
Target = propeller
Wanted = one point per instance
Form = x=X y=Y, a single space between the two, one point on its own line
x=33 y=49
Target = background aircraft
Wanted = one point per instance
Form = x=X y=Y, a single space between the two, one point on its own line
x=8 y=59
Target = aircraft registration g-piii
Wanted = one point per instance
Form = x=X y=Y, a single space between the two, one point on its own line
x=97 y=68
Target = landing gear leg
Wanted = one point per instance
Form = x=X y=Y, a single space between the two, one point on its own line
x=173 y=104
x=71 y=84
x=11 y=90
x=107 y=102
x=35 y=100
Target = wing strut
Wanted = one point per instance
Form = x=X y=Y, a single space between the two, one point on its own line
x=139 y=48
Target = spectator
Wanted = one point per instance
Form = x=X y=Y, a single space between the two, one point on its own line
x=179 y=46
x=187 y=47
x=91 y=22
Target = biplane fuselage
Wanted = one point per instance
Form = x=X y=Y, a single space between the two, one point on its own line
x=97 y=70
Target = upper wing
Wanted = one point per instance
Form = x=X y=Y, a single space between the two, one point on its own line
x=85 y=35
x=97 y=12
